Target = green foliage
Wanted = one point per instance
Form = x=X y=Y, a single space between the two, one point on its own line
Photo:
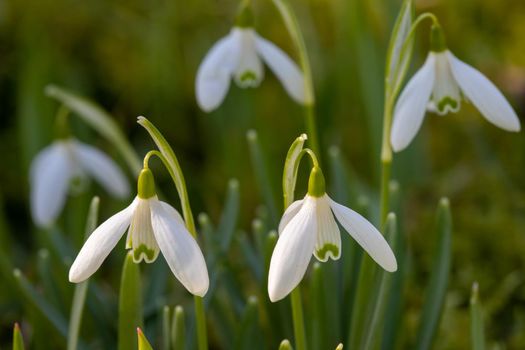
x=130 y=304
x=140 y=58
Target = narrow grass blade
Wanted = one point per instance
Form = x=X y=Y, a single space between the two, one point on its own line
x=229 y=216
x=48 y=311
x=143 y=343
x=253 y=260
x=261 y=174
x=317 y=317
x=435 y=296
x=166 y=328
x=100 y=120
x=79 y=296
x=18 y=340
x=477 y=333
x=376 y=317
x=249 y=334
x=178 y=329
x=130 y=304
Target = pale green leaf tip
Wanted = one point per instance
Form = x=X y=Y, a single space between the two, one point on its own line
x=143 y=341
x=233 y=184
x=141 y=119
x=251 y=135
x=444 y=203
x=204 y=219
x=50 y=90
x=339 y=347
x=474 y=296
x=334 y=151
x=18 y=341
x=391 y=217
x=285 y=345
x=179 y=310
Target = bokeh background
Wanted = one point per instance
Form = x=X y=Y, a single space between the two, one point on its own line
x=140 y=58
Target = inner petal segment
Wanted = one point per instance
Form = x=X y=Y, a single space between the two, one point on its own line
x=140 y=235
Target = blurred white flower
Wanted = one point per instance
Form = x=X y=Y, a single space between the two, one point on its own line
x=308 y=226
x=438 y=87
x=240 y=55
x=53 y=169
x=153 y=226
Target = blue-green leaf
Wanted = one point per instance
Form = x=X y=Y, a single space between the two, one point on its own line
x=130 y=304
x=435 y=296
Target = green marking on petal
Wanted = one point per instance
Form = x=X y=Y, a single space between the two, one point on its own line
x=248 y=76
x=328 y=247
x=143 y=251
x=447 y=101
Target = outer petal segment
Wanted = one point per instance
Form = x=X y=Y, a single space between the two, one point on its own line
x=214 y=74
x=284 y=68
x=411 y=106
x=50 y=173
x=290 y=212
x=293 y=252
x=366 y=235
x=102 y=168
x=484 y=95
x=181 y=251
x=100 y=244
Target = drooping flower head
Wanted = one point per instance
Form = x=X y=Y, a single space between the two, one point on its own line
x=309 y=227
x=153 y=226
x=240 y=56
x=56 y=166
x=439 y=86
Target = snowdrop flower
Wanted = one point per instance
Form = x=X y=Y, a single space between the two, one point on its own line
x=54 y=168
x=308 y=226
x=439 y=87
x=240 y=55
x=153 y=226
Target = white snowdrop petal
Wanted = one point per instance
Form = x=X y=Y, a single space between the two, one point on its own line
x=411 y=105
x=366 y=235
x=102 y=168
x=446 y=96
x=284 y=69
x=181 y=251
x=484 y=95
x=140 y=235
x=50 y=174
x=249 y=71
x=288 y=215
x=293 y=252
x=100 y=243
x=214 y=74
x=328 y=236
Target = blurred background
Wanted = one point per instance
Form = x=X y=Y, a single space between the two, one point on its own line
x=139 y=57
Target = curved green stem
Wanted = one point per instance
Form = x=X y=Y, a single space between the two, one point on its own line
x=170 y=161
x=391 y=94
x=292 y=25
